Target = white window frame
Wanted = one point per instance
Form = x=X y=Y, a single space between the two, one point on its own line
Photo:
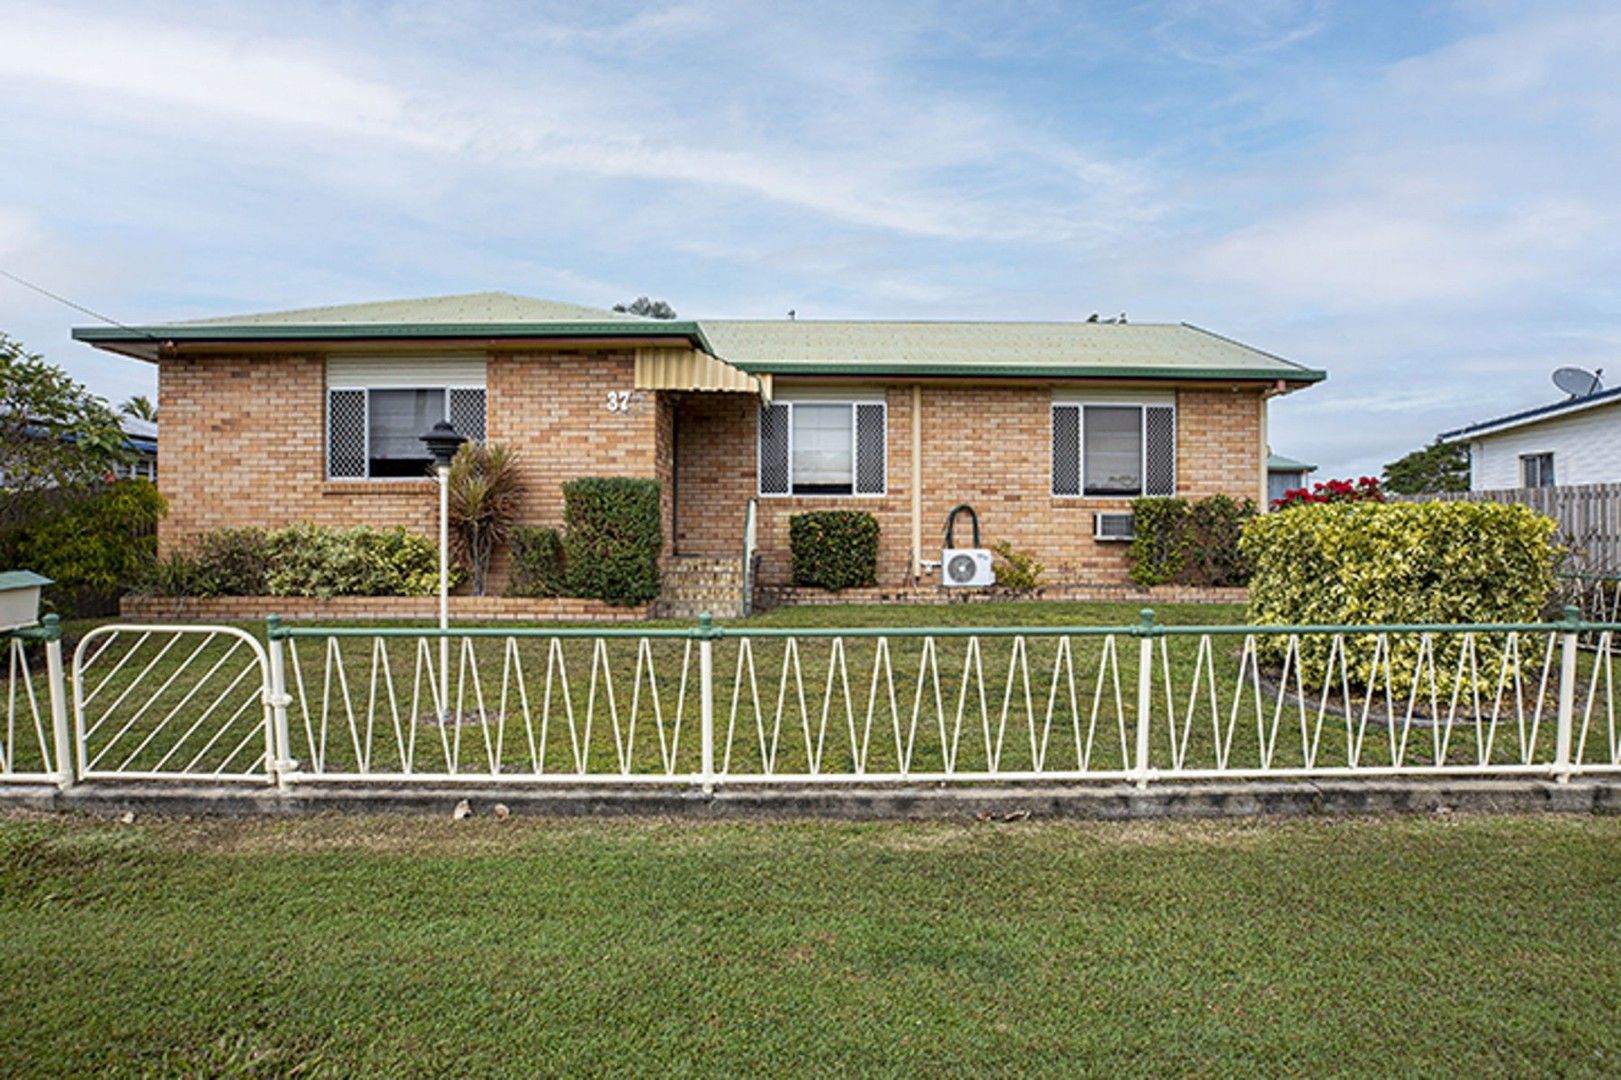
x=1526 y=459
x=855 y=448
x=1142 y=405
x=326 y=426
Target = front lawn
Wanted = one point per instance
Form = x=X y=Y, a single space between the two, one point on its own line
x=1438 y=946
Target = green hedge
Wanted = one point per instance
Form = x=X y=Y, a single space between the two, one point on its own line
x=834 y=549
x=537 y=562
x=1190 y=543
x=614 y=533
x=1432 y=562
x=300 y=560
x=94 y=544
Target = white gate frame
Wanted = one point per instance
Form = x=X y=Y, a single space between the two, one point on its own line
x=269 y=758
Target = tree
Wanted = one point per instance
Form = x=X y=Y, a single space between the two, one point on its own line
x=1437 y=467
x=53 y=432
x=653 y=309
x=140 y=407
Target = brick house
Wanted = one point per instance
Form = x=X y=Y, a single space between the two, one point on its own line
x=312 y=415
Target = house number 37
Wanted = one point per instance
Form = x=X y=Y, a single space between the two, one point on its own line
x=622 y=401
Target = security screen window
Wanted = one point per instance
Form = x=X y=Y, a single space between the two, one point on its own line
x=823 y=448
x=1112 y=450
x=376 y=433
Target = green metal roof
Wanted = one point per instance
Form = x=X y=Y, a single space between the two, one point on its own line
x=1279 y=463
x=1130 y=350
x=467 y=309
x=759 y=346
x=488 y=315
x=22 y=579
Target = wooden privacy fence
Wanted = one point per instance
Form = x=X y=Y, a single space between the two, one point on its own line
x=1589 y=517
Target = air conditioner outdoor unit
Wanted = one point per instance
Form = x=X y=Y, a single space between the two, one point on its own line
x=1116 y=526
x=968 y=567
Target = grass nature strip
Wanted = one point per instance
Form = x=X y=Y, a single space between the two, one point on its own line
x=1438 y=946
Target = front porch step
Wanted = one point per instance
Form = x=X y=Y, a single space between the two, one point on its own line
x=695 y=584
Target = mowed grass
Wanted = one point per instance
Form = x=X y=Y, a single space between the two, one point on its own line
x=1457 y=945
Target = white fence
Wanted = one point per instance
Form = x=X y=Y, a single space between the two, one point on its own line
x=708 y=707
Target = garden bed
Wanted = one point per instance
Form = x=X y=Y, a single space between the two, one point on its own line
x=462 y=608
x=772 y=596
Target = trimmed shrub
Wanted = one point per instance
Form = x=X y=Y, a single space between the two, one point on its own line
x=300 y=560
x=613 y=535
x=834 y=549
x=1368 y=562
x=1159 y=540
x=231 y=562
x=1190 y=543
x=1215 y=527
x=309 y=560
x=537 y=562
x=95 y=545
x=1016 y=571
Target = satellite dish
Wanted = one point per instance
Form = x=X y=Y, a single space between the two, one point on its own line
x=1577 y=382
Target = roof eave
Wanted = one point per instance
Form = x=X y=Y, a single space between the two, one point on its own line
x=143 y=341
x=1302 y=376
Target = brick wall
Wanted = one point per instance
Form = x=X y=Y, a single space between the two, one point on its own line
x=340 y=608
x=244 y=442
x=986 y=446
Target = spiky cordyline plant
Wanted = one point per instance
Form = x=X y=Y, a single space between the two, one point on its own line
x=485 y=497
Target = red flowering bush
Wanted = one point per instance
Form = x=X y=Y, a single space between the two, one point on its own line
x=1365 y=489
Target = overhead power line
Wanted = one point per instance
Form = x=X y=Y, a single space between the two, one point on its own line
x=76 y=307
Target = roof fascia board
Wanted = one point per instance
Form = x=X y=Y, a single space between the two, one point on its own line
x=1554 y=412
x=1027 y=371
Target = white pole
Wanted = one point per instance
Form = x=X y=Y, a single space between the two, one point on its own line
x=1567 y=697
x=706 y=702
x=444 y=592
x=57 y=679
x=1145 y=699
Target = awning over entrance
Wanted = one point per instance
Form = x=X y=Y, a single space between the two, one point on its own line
x=693 y=369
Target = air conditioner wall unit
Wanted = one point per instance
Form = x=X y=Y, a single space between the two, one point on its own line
x=1114 y=526
x=969 y=567
x=966 y=568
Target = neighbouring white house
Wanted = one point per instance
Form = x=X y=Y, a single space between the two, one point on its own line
x=1577 y=441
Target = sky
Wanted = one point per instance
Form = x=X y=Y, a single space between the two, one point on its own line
x=1423 y=199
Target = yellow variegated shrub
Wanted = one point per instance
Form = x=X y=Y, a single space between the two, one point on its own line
x=1431 y=562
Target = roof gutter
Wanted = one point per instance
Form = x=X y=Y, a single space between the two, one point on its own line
x=1301 y=376
x=146 y=342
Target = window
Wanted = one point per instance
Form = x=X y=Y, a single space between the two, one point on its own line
x=374 y=432
x=1121 y=450
x=1536 y=470
x=824 y=448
